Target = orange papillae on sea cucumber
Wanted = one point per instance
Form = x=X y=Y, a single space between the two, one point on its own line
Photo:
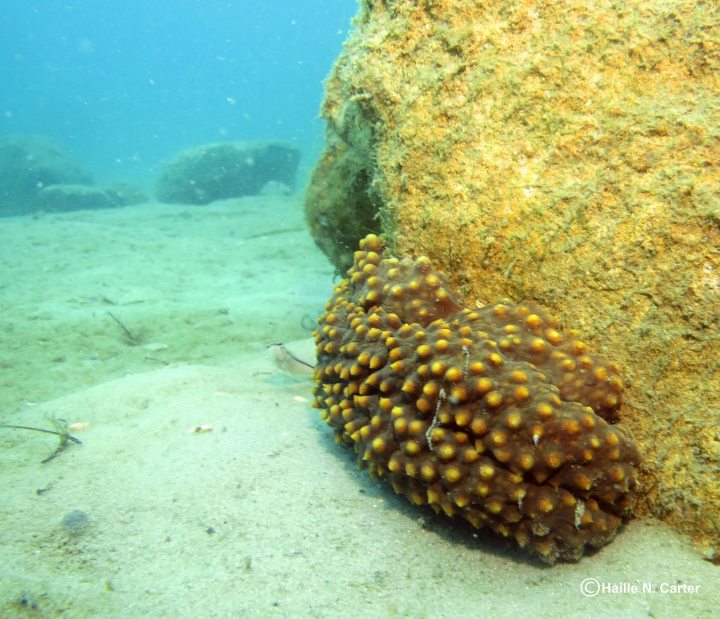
x=495 y=415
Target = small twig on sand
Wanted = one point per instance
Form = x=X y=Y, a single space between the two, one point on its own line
x=61 y=430
x=130 y=337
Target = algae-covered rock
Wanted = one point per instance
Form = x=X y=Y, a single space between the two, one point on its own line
x=125 y=194
x=67 y=197
x=228 y=170
x=340 y=204
x=58 y=198
x=562 y=153
x=29 y=163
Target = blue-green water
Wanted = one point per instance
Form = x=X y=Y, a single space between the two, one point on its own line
x=122 y=85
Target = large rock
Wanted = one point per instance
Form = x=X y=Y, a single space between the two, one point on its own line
x=218 y=171
x=72 y=198
x=125 y=194
x=564 y=153
x=68 y=197
x=65 y=197
x=27 y=165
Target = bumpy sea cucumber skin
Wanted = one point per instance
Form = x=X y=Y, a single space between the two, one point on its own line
x=495 y=415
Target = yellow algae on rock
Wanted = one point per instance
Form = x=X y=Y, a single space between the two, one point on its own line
x=567 y=153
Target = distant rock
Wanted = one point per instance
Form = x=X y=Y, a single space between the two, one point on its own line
x=29 y=163
x=125 y=194
x=56 y=198
x=274 y=189
x=228 y=170
x=71 y=198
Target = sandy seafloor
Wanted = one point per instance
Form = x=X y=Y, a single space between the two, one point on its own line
x=262 y=516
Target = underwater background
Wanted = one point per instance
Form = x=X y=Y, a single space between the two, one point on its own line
x=203 y=483
x=123 y=85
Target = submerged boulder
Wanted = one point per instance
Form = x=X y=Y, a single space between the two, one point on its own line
x=71 y=198
x=29 y=163
x=125 y=194
x=68 y=197
x=562 y=153
x=227 y=170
